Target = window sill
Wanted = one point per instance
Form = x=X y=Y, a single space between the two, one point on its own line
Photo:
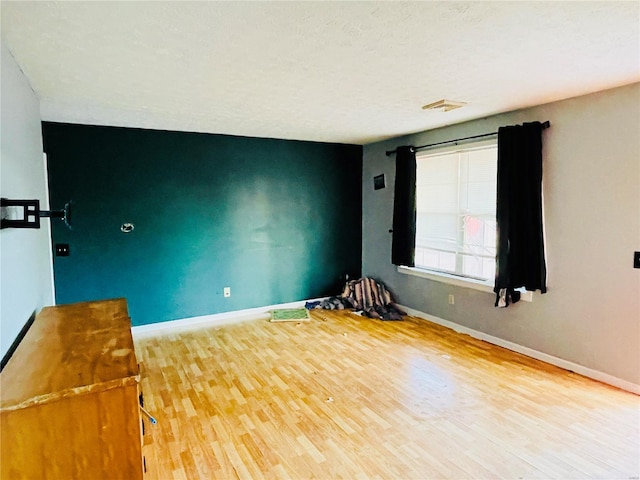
x=444 y=278
x=458 y=281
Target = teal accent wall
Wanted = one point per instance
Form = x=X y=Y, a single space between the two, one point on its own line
x=276 y=220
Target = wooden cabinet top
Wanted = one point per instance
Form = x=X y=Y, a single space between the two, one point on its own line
x=70 y=349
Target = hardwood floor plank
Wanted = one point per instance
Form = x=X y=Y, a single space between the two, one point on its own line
x=344 y=396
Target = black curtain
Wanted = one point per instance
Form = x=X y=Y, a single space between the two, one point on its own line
x=404 y=208
x=520 y=258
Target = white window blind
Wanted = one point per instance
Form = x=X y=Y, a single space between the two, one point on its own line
x=456 y=211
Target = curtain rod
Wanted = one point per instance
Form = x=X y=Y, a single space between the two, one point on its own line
x=545 y=125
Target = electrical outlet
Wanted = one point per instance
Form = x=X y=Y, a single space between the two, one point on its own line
x=62 y=249
x=525 y=295
x=227 y=291
x=452 y=299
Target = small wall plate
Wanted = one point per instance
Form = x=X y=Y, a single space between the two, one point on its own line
x=62 y=249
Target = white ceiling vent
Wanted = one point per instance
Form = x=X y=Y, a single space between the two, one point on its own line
x=444 y=105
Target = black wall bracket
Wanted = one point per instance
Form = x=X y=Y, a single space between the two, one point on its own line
x=27 y=213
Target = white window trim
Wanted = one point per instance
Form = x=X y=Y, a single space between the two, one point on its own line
x=455 y=279
x=442 y=277
x=459 y=281
x=459 y=147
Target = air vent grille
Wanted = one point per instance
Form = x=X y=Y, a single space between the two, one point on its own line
x=444 y=105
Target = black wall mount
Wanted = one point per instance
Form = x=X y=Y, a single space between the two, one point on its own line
x=28 y=213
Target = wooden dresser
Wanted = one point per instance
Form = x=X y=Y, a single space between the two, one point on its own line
x=69 y=397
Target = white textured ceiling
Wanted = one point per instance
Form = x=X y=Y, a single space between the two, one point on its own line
x=351 y=72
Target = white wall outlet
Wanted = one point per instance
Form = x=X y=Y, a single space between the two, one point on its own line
x=452 y=299
x=525 y=295
x=227 y=291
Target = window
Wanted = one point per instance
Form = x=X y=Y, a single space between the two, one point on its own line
x=456 y=211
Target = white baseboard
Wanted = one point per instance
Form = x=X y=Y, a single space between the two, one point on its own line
x=529 y=352
x=226 y=318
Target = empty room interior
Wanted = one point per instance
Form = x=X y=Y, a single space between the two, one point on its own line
x=385 y=240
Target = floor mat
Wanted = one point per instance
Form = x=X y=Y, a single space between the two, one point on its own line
x=290 y=315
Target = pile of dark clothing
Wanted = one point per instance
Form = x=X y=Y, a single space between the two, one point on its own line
x=365 y=295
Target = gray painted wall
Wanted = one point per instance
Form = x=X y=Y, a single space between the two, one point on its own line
x=25 y=261
x=591 y=313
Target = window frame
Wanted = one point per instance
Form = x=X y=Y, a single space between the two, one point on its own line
x=442 y=277
x=451 y=277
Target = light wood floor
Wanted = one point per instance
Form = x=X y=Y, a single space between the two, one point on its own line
x=348 y=397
